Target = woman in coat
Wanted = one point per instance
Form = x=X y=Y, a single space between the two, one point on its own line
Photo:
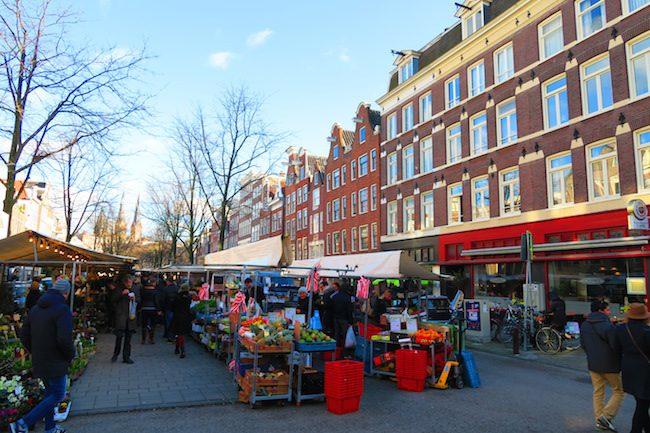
x=182 y=321
x=33 y=296
x=633 y=345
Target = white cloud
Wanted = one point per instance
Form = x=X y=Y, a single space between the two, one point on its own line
x=344 y=56
x=259 y=38
x=221 y=59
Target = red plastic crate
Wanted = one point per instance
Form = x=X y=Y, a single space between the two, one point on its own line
x=332 y=356
x=343 y=379
x=411 y=363
x=342 y=406
x=372 y=330
x=407 y=384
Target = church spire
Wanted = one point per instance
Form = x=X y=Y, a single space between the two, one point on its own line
x=136 y=225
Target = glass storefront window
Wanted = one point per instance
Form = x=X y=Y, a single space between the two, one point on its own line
x=499 y=280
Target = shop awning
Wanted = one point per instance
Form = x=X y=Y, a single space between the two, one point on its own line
x=271 y=252
x=31 y=248
x=385 y=264
x=562 y=246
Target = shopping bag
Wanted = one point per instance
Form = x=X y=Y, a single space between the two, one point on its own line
x=315 y=322
x=350 y=340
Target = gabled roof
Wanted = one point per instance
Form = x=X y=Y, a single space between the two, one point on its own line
x=348 y=138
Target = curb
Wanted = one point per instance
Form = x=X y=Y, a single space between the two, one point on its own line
x=152 y=407
x=519 y=357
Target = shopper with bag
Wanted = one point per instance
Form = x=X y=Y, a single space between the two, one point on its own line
x=340 y=306
x=633 y=345
x=125 y=304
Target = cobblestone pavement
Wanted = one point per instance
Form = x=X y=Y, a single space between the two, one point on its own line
x=515 y=396
x=157 y=379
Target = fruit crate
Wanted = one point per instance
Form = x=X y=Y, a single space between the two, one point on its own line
x=340 y=406
x=281 y=379
x=325 y=346
x=284 y=347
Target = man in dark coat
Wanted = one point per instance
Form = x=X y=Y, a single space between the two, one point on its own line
x=340 y=306
x=182 y=322
x=598 y=341
x=558 y=312
x=169 y=293
x=47 y=335
x=124 y=303
x=633 y=345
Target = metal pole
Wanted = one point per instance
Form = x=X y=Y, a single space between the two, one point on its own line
x=74 y=273
x=311 y=299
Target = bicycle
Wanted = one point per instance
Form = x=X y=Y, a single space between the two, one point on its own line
x=550 y=340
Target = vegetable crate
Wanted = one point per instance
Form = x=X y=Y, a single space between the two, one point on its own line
x=327 y=346
x=343 y=379
x=262 y=348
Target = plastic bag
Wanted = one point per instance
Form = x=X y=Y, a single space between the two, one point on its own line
x=315 y=322
x=350 y=339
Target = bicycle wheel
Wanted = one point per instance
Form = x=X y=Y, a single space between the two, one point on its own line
x=494 y=330
x=504 y=335
x=548 y=340
x=572 y=343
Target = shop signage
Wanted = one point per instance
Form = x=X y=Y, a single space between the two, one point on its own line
x=473 y=315
x=637 y=215
x=636 y=286
x=592 y=281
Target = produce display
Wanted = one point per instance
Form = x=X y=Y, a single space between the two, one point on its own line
x=313 y=336
x=268 y=336
x=428 y=336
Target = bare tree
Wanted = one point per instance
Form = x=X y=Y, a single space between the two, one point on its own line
x=231 y=142
x=165 y=210
x=53 y=95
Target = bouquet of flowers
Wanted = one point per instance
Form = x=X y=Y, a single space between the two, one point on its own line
x=12 y=391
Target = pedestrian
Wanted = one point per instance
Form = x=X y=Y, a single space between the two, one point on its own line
x=303 y=303
x=633 y=345
x=150 y=310
x=33 y=295
x=326 y=318
x=182 y=321
x=340 y=307
x=137 y=289
x=170 y=291
x=597 y=335
x=253 y=292
x=558 y=312
x=47 y=336
x=125 y=304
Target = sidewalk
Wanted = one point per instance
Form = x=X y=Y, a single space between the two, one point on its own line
x=572 y=360
x=158 y=379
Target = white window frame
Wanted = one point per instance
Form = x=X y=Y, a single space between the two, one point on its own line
x=450 y=196
x=426 y=114
x=353 y=169
x=315 y=198
x=344 y=235
x=549 y=176
x=480 y=213
x=391 y=126
x=405 y=165
x=449 y=102
x=391 y=214
x=451 y=137
x=626 y=7
x=367 y=193
x=476 y=25
x=507 y=114
x=353 y=239
x=426 y=155
x=336 y=202
x=557 y=95
x=367 y=229
x=335 y=152
x=392 y=162
x=361 y=174
x=373 y=197
x=336 y=174
x=353 y=204
x=373 y=236
x=427 y=224
x=405 y=209
x=408 y=119
x=630 y=58
x=344 y=207
x=590 y=172
x=362 y=134
x=473 y=128
x=543 y=55
x=327 y=245
x=638 y=147
x=373 y=160
x=580 y=30
x=516 y=209
x=597 y=76
x=329 y=212
x=335 y=235
x=471 y=86
x=501 y=76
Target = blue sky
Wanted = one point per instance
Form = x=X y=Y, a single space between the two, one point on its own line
x=314 y=61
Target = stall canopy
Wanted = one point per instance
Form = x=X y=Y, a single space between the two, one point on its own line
x=271 y=252
x=385 y=264
x=33 y=248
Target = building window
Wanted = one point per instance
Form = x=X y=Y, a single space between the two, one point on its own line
x=638 y=53
x=407 y=118
x=327 y=245
x=425 y=107
x=603 y=171
x=329 y=182
x=560 y=180
x=473 y=22
x=373 y=236
x=353 y=238
x=353 y=169
x=408 y=162
x=336 y=210
x=427 y=210
x=363 y=238
x=362 y=134
x=551 y=39
x=426 y=155
x=363 y=165
x=373 y=160
x=556 y=103
x=302 y=172
x=336 y=179
x=315 y=223
x=391 y=167
x=504 y=65
x=329 y=212
x=642 y=142
x=363 y=200
x=392 y=126
x=343 y=173
x=452 y=92
x=305 y=195
x=455 y=204
x=481 y=198
x=353 y=203
x=336 y=242
x=407 y=70
x=409 y=215
x=596 y=86
x=591 y=16
x=299 y=195
x=335 y=151
x=507 y=122
x=476 y=77
x=454 y=145
x=632 y=5
x=344 y=207
x=373 y=197
x=391 y=217
x=510 y=196
x=344 y=240
x=478 y=134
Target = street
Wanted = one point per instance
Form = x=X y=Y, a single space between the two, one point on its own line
x=516 y=396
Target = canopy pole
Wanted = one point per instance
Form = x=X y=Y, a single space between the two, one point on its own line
x=74 y=274
x=311 y=298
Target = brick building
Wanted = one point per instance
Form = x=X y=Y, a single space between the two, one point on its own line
x=352 y=186
x=525 y=115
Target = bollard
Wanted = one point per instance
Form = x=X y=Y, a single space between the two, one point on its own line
x=515 y=341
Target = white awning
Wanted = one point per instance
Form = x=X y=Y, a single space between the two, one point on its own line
x=385 y=264
x=265 y=253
